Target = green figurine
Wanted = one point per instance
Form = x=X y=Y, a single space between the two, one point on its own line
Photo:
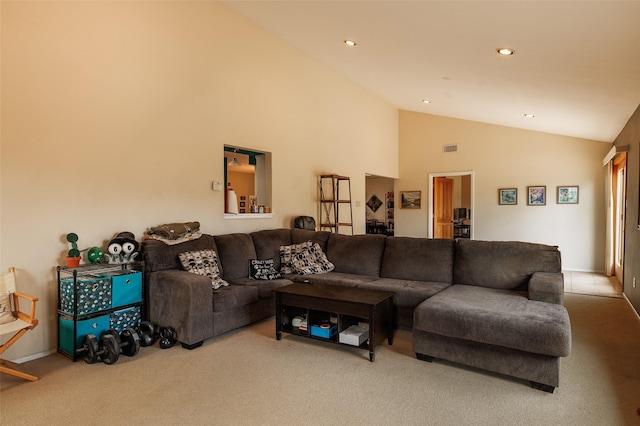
x=73 y=239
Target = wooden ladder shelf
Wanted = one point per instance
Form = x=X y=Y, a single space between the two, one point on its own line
x=335 y=203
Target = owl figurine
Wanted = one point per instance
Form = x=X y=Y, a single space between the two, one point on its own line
x=122 y=248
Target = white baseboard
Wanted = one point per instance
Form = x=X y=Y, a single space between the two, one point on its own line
x=34 y=356
x=632 y=308
x=592 y=271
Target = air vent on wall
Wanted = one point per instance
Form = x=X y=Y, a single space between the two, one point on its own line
x=449 y=148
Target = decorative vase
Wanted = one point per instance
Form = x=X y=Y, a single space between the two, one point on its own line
x=73 y=262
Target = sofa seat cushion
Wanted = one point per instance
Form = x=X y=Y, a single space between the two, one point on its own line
x=496 y=317
x=265 y=287
x=234 y=296
x=335 y=278
x=408 y=293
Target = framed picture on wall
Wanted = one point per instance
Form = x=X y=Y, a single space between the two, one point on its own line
x=536 y=195
x=410 y=199
x=508 y=196
x=568 y=194
x=374 y=203
x=242 y=203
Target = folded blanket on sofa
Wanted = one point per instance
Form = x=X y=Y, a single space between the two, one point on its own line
x=174 y=231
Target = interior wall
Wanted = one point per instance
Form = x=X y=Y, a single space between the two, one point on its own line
x=630 y=135
x=504 y=157
x=114 y=118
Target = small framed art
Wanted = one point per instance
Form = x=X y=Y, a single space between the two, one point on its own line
x=568 y=194
x=508 y=196
x=410 y=199
x=536 y=195
x=374 y=203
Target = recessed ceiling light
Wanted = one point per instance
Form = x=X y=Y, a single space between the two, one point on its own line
x=426 y=101
x=350 y=43
x=505 y=51
x=529 y=115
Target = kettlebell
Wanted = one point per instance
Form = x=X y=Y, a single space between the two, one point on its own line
x=148 y=334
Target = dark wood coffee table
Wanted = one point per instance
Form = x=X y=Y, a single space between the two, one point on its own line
x=325 y=303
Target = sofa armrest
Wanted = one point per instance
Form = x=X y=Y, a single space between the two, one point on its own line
x=182 y=300
x=547 y=287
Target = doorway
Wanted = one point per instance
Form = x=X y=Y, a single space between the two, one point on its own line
x=619 y=180
x=451 y=203
x=379 y=205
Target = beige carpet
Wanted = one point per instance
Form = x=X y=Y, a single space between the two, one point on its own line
x=248 y=378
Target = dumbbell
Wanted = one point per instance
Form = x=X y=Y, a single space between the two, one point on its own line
x=149 y=333
x=92 y=352
x=128 y=342
x=168 y=337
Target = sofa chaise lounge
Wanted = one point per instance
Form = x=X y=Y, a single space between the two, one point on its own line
x=492 y=305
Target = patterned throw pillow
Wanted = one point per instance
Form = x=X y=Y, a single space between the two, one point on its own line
x=5 y=308
x=263 y=270
x=311 y=261
x=287 y=253
x=203 y=262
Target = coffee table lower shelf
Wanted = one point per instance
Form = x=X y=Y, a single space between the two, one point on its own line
x=335 y=307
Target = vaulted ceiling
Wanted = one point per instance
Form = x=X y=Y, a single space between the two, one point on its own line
x=576 y=66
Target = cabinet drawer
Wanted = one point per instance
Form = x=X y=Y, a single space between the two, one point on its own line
x=125 y=318
x=126 y=288
x=95 y=326
x=94 y=294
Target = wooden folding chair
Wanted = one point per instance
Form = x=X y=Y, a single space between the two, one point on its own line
x=18 y=327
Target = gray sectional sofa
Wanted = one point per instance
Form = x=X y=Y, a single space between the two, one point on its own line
x=492 y=305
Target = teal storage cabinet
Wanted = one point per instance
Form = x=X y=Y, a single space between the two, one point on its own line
x=94 y=298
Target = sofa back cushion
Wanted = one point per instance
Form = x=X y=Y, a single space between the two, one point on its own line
x=504 y=265
x=235 y=252
x=267 y=244
x=418 y=259
x=299 y=236
x=158 y=256
x=356 y=254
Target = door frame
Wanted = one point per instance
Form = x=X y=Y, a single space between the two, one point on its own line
x=619 y=214
x=430 y=200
